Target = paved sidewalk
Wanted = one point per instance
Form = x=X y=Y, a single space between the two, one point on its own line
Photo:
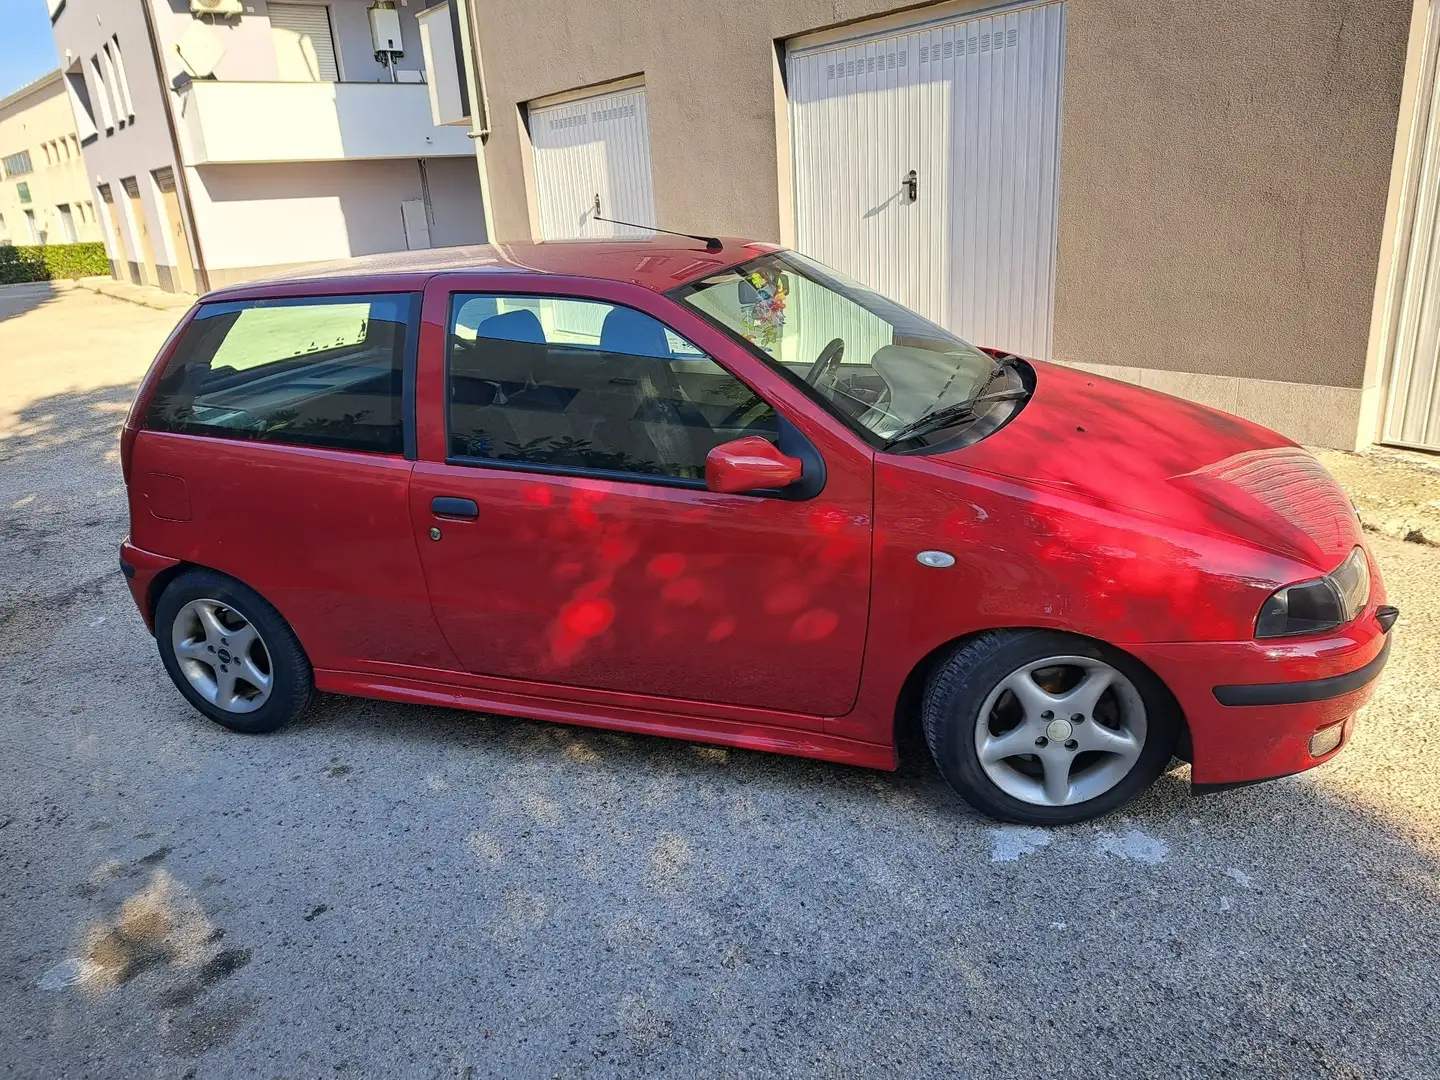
x=145 y=295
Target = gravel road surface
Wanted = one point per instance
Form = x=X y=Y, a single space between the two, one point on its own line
x=387 y=890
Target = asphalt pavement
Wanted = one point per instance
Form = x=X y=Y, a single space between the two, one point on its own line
x=389 y=890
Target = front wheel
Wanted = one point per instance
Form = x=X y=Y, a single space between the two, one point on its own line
x=1042 y=728
x=231 y=653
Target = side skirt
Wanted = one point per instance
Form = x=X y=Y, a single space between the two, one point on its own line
x=811 y=744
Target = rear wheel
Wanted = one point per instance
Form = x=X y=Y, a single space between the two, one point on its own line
x=231 y=654
x=1043 y=728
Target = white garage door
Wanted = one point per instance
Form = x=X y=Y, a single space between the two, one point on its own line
x=1412 y=412
x=972 y=106
x=595 y=146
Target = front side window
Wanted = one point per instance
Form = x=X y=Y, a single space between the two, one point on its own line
x=326 y=372
x=581 y=384
x=878 y=365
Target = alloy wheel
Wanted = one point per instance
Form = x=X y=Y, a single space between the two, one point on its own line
x=222 y=656
x=1061 y=730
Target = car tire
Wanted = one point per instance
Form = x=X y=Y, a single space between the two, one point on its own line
x=1009 y=763
x=231 y=654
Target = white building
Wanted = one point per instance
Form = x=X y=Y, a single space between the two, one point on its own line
x=225 y=139
x=44 y=197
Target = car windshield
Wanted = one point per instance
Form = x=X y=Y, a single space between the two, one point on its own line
x=877 y=364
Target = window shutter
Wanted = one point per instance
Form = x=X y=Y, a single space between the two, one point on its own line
x=293 y=27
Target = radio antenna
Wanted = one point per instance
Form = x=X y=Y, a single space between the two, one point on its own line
x=712 y=243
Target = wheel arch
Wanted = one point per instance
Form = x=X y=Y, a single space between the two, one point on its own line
x=906 y=725
x=161 y=581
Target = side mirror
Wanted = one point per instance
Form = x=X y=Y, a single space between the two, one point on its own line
x=749 y=464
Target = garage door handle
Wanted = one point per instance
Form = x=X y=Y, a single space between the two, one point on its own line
x=445 y=506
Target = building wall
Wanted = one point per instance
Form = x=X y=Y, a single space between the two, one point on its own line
x=138 y=147
x=1224 y=175
x=37 y=119
x=257 y=218
x=455 y=202
x=249 y=51
x=250 y=218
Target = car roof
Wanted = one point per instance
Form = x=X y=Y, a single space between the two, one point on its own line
x=655 y=262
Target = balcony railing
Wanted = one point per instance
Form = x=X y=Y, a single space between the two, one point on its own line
x=234 y=122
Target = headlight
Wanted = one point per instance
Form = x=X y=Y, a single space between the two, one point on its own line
x=1323 y=604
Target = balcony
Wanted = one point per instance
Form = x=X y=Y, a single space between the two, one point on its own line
x=226 y=123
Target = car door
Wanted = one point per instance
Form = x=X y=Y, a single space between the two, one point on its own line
x=273 y=448
x=564 y=525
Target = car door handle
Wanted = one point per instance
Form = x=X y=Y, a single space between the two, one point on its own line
x=445 y=506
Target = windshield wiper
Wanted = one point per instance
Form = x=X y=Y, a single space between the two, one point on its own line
x=951 y=414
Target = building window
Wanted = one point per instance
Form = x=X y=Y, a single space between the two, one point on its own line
x=107 y=111
x=112 y=84
x=36 y=236
x=4 y=232
x=74 y=146
x=304 y=45
x=22 y=190
x=314 y=373
x=80 y=105
x=17 y=164
x=124 y=80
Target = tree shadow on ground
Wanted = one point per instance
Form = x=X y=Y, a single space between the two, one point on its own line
x=16 y=300
x=83 y=424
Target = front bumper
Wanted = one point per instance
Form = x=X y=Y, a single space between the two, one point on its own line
x=1258 y=723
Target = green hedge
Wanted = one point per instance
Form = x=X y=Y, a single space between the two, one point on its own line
x=49 y=261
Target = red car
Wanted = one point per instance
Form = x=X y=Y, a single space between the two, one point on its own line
x=718 y=492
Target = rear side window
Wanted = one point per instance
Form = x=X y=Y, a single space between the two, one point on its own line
x=313 y=372
x=585 y=385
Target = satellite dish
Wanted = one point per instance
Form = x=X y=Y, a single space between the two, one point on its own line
x=201 y=50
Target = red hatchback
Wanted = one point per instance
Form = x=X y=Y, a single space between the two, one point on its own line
x=729 y=495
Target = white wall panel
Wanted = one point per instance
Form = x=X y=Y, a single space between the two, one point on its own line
x=973 y=106
x=599 y=145
x=1412 y=413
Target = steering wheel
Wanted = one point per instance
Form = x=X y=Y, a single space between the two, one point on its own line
x=826 y=363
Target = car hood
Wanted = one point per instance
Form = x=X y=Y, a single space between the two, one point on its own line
x=1122 y=445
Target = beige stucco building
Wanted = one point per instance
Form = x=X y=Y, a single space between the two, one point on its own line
x=44 y=196
x=1224 y=199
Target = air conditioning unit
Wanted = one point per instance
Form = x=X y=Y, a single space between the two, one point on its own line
x=216 y=7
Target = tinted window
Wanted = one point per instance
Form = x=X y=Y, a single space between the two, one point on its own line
x=589 y=385
x=315 y=372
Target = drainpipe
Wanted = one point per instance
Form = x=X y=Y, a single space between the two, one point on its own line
x=473 y=77
x=182 y=182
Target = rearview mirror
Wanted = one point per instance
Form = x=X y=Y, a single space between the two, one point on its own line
x=749 y=464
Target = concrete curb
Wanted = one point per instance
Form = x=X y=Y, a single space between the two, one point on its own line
x=144 y=295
